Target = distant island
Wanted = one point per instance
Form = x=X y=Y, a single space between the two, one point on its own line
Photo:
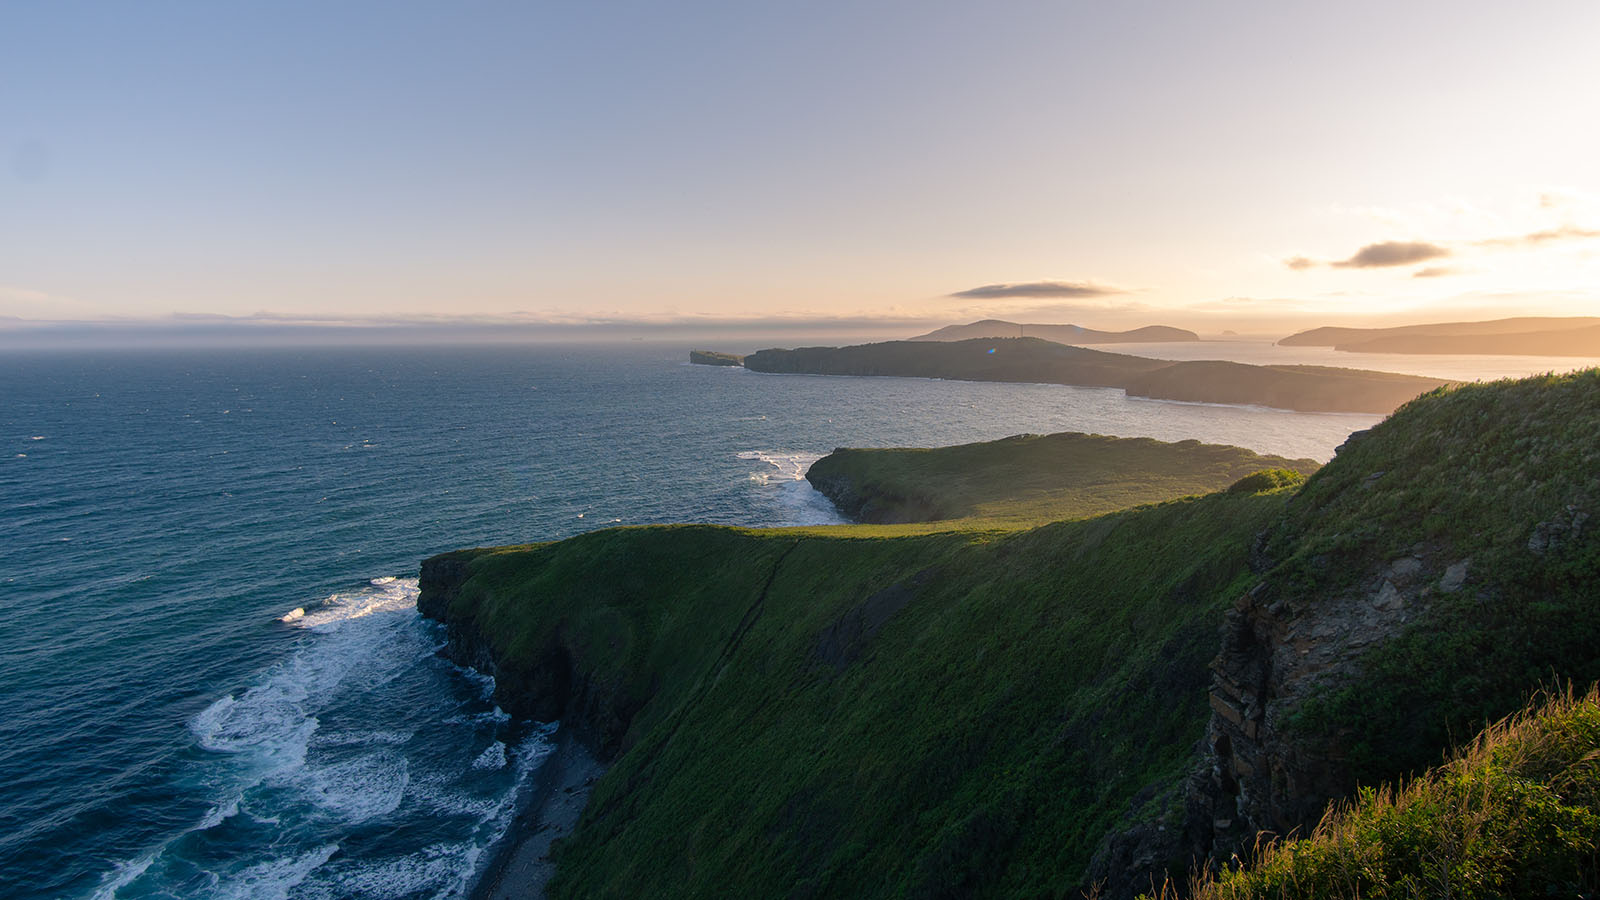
x=1033 y=360
x=1061 y=334
x=713 y=358
x=1523 y=336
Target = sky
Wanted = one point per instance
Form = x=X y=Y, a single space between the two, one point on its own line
x=881 y=167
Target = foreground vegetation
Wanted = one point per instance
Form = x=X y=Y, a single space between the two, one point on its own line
x=1515 y=814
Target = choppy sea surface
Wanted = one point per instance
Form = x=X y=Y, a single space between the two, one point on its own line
x=213 y=676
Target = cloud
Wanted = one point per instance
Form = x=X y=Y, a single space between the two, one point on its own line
x=1386 y=254
x=1038 y=289
x=1392 y=253
x=1435 y=272
x=1540 y=238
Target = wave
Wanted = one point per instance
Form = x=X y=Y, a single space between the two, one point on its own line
x=392 y=594
x=796 y=502
x=309 y=751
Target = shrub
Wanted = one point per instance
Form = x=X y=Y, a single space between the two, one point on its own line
x=1266 y=480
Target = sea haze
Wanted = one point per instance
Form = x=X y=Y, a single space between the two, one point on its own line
x=214 y=677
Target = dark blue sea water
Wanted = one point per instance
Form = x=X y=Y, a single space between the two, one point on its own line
x=213 y=679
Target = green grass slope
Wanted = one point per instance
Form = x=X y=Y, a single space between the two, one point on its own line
x=1515 y=814
x=808 y=713
x=1030 y=479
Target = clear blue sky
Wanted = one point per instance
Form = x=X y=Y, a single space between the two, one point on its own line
x=1113 y=164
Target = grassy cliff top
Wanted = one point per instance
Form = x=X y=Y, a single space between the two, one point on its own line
x=809 y=713
x=1030 y=479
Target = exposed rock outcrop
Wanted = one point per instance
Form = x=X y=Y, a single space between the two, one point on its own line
x=713 y=358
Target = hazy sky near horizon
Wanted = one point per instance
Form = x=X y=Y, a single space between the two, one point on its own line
x=1206 y=164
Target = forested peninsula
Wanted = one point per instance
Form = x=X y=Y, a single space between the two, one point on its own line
x=1033 y=360
x=993 y=708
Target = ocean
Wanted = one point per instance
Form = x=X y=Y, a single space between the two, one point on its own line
x=213 y=676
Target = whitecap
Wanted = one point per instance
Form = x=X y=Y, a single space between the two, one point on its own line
x=493 y=757
x=218 y=815
x=122 y=875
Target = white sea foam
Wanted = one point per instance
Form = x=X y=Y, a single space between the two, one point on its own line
x=434 y=868
x=361 y=738
x=788 y=465
x=275 y=878
x=391 y=594
x=801 y=503
x=267 y=721
x=357 y=790
x=267 y=756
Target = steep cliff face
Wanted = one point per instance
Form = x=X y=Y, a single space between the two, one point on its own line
x=1280 y=649
x=873 y=504
x=552 y=683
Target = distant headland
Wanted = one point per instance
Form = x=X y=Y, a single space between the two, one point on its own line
x=1061 y=334
x=1523 y=336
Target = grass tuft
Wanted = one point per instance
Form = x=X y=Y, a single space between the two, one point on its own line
x=1514 y=814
